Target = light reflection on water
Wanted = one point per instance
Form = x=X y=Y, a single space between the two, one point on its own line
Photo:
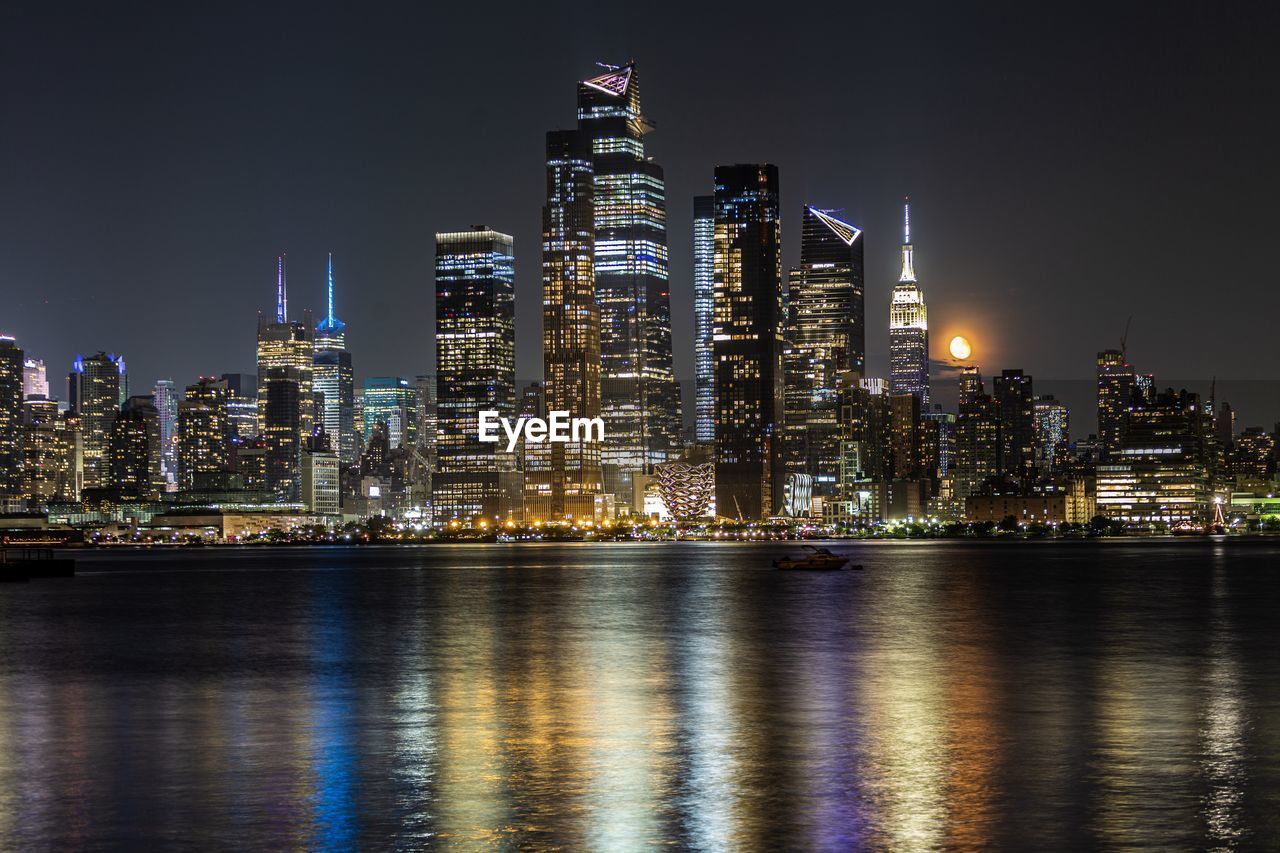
x=1060 y=695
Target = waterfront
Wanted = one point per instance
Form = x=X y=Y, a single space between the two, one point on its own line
x=954 y=694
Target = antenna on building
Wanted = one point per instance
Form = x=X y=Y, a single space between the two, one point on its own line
x=282 y=296
x=1124 y=340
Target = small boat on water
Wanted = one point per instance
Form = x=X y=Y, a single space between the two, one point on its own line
x=815 y=558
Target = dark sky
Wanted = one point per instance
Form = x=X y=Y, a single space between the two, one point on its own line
x=1068 y=168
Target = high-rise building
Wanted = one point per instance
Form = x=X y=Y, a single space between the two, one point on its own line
x=391 y=400
x=11 y=385
x=1117 y=387
x=904 y=436
x=977 y=436
x=908 y=326
x=134 y=451
x=280 y=404
x=35 y=380
x=1052 y=435
x=204 y=435
x=704 y=303
x=640 y=400
x=97 y=387
x=50 y=454
x=165 y=395
x=825 y=339
x=566 y=480
x=1015 y=406
x=333 y=376
x=321 y=477
x=427 y=420
x=242 y=405
x=747 y=336
x=475 y=371
x=291 y=345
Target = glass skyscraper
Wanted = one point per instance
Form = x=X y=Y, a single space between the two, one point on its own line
x=826 y=338
x=908 y=327
x=393 y=401
x=332 y=376
x=98 y=387
x=11 y=380
x=475 y=371
x=747 y=335
x=704 y=300
x=166 y=403
x=640 y=400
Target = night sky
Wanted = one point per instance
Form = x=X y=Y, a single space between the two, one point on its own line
x=1067 y=169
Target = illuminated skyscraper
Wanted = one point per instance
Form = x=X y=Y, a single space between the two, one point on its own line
x=204 y=434
x=165 y=395
x=640 y=400
x=134 y=451
x=565 y=480
x=1052 y=435
x=11 y=381
x=1015 y=405
x=908 y=327
x=704 y=301
x=334 y=378
x=242 y=405
x=35 y=380
x=747 y=335
x=97 y=387
x=391 y=400
x=825 y=338
x=50 y=454
x=287 y=346
x=279 y=401
x=475 y=371
x=1117 y=389
x=977 y=436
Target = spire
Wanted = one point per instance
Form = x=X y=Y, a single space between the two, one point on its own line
x=330 y=315
x=908 y=269
x=282 y=297
x=331 y=326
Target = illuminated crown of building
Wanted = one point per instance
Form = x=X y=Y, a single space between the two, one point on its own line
x=843 y=230
x=908 y=269
x=614 y=82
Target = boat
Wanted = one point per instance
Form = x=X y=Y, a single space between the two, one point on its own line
x=819 y=559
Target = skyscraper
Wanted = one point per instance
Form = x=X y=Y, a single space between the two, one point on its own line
x=280 y=403
x=475 y=370
x=566 y=480
x=334 y=377
x=391 y=400
x=977 y=436
x=640 y=400
x=35 y=380
x=288 y=346
x=1117 y=387
x=51 y=464
x=165 y=395
x=11 y=383
x=97 y=386
x=134 y=451
x=1015 y=405
x=704 y=301
x=747 y=335
x=825 y=338
x=908 y=326
x=1052 y=435
x=204 y=433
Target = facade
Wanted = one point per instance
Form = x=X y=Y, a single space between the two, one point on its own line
x=165 y=395
x=1052 y=436
x=1047 y=508
x=280 y=405
x=134 y=451
x=704 y=300
x=475 y=371
x=1015 y=406
x=35 y=380
x=204 y=434
x=97 y=385
x=242 y=404
x=290 y=345
x=747 y=336
x=51 y=464
x=334 y=378
x=391 y=400
x=567 y=480
x=687 y=489
x=977 y=436
x=1162 y=470
x=640 y=401
x=321 y=483
x=11 y=395
x=826 y=337
x=1117 y=385
x=908 y=326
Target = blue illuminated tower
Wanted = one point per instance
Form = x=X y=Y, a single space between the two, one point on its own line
x=334 y=378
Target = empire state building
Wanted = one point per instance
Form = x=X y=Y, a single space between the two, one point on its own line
x=908 y=327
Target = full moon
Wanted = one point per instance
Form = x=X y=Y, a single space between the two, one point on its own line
x=960 y=348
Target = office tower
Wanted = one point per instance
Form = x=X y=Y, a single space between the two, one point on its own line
x=165 y=395
x=204 y=435
x=242 y=405
x=908 y=326
x=475 y=371
x=865 y=447
x=825 y=339
x=334 y=377
x=904 y=436
x=1052 y=436
x=11 y=386
x=35 y=380
x=640 y=400
x=280 y=404
x=704 y=302
x=1117 y=390
x=50 y=454
x=977 y=436
x=427 y=421
x=96 y=388
x=1253 y=457
x=391 y=400
x=566 y=480
x=748 y=341
x=1015 y=406
x=1161 y=471
x=291 y=345
x=134 y=451
x=321 y=472
x=945 y=424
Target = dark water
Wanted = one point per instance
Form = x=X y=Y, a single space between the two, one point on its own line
x=1037 y=695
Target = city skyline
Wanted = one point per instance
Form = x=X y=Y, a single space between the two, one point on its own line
x=992 y=266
